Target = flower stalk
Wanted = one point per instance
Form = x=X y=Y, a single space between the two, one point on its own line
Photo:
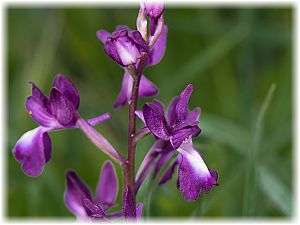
x=129 y=173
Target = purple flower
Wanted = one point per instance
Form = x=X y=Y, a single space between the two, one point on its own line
x=80 y=201
x=177 y=130
x=59 y=111
x=124 y=46
x=154 y=10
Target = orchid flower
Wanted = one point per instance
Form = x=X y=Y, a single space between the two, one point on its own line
x=59 y=111
x=80 y=201
x=177 y=129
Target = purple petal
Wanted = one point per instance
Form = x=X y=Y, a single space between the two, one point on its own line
x=102 y=35
x=195 y=131
x=116 y=215
x=193 y=175
x=182 y=105
x=163 y=159
x=75 y=193
x=147 y=88
x=154 y=9
x=172 y=111
x=107 y=189
x=194 y=114
x=140 y=115
x=215 y=175
x=39 y=112
x=39 y=95
x=168 y=174
x=187 y=123
x=111 y=50
x=122 y=27
x=122 y=97
x=139 y=209
x=153 y=25
x=33 y=151
x=139 y=40
x=158 y=106
x=156 y=121
x=158 y=50
x=94 y=210
x=127 y=50
x=62 y=108
x=128 y=203
x=68 y=89
x=99 y=119
x=179 y=136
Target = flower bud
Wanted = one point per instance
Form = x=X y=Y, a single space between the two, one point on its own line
x=124 y=46
x=154 y=11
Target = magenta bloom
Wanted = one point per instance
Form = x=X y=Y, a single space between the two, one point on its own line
x=175 y=132
x=59 y=111
x=80 y=201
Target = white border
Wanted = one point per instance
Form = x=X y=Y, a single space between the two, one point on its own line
x=3 y=99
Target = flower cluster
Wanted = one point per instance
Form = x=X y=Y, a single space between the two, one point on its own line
x=173 y=129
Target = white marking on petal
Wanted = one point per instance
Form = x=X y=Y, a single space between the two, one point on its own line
x=27 y=138
x=194 y=158
x=128 y=54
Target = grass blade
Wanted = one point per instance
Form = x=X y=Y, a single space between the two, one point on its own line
x=275 y=189
x=198 y=63
x=225 y=132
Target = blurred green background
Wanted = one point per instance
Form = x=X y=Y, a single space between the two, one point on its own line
x=232 y=56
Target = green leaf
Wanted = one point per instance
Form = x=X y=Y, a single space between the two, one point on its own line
x=258 y=132
x=276 y=140
x=250 y=191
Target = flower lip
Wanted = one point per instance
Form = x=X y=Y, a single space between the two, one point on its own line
x=33 y=151
x=193 y=175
